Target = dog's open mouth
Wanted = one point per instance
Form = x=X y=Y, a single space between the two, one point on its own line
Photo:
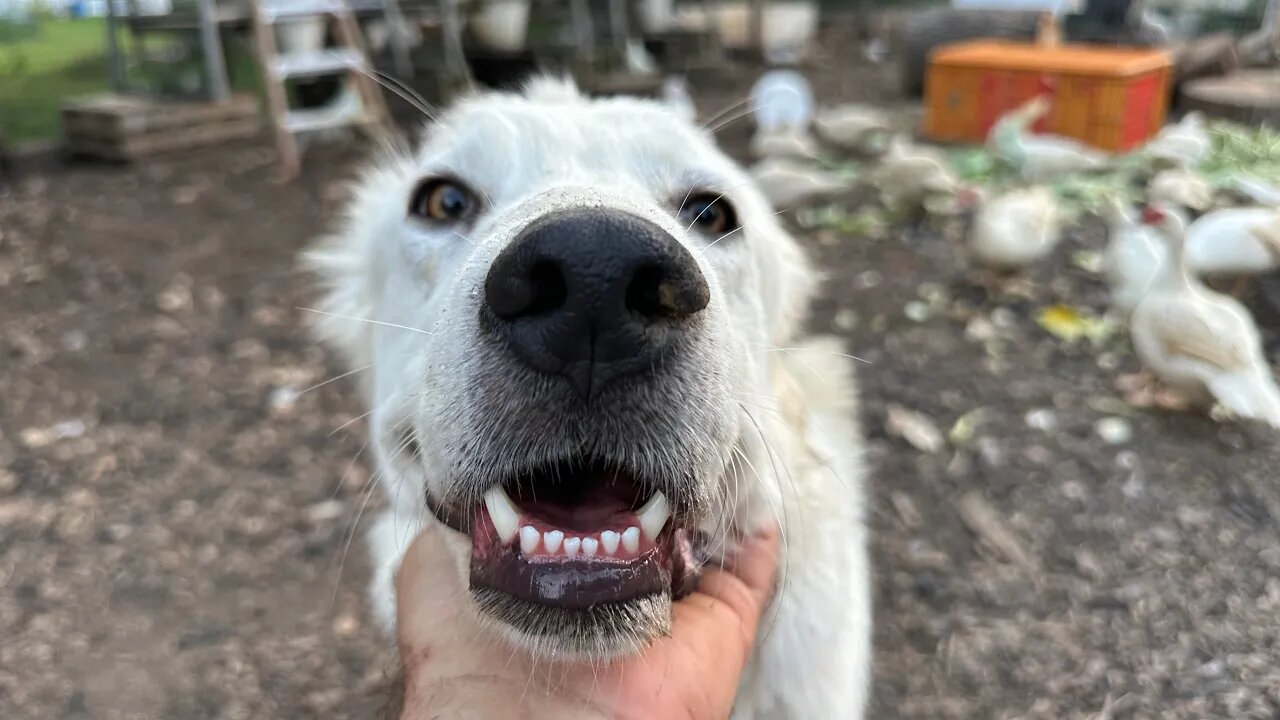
x=576 y=536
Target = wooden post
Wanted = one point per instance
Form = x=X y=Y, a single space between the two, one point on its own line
x=455 y=58
x=215 y=68
x=756 y=27
x=119 y=82
x=584 y=32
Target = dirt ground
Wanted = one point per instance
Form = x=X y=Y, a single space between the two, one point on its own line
x=174 y=516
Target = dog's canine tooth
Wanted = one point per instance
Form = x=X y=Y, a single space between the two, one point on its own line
x=590 y=546
x=506 y=521
x=609 y=541
x=571 y=546
x=529 y=537
x=551 y=541
x=631 y=539
x=654 y=515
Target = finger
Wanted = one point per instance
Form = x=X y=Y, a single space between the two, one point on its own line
x=724 y=613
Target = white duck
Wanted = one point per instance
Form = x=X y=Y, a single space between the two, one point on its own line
x=1015 y=229
x=787 y=183
x=1256 y=189
x=908 y=173
x=1182 y=187
x=854 y=127
x=1198 y=341
x=1039 y=157
x=1234 y=241
x=1185 y=143
x=1134 y=257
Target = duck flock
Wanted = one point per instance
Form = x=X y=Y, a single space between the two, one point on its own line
x=1199 y=200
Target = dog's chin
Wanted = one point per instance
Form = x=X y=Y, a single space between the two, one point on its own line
x=578 y=560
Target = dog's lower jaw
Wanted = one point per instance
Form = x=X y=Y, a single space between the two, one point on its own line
x=601 y=632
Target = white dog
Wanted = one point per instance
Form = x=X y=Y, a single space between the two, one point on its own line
x=581 y=323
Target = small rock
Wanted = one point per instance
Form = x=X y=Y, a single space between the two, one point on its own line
x=282 y=400
x=8 y=481
x=176 y=297
x=325 y=511
x=34 y=437
x=1038 y=454
x=185 y=195
x=916 y=428
x=15 y=510
x=906 y=508
x=1042 y=419
x=1004 y=318
x=1114 y=430
x=920 y=555
x=917 y=311
x=346 y=625
x=68 y=429
x=867 y=280
x=74 y=341
x=990 y=452
x=979 y=329
x=846 y=319
x=1089 y=565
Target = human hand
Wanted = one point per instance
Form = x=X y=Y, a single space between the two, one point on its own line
x=457 y=667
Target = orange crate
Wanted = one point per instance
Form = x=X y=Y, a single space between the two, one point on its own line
x=1111 y=98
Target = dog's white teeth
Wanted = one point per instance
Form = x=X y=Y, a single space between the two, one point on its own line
x=609 y=541
x=631 y=539
x=653 y=516
x=590 y=546
x=551 y=541
x=529 y=537
x=503 y=513
x=571 y=546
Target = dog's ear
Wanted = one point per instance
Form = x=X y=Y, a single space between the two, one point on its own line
x=788 y=283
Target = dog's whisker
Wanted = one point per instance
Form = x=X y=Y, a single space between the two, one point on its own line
x=350 y=422
x=784 y=583
x=726 y=110
x=348 y=373
x=730 y=120
x=400 y=90
x=346 y=545
x=363 y=320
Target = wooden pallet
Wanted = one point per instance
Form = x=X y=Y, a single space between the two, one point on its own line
x=1245 y=96
x=124 y=127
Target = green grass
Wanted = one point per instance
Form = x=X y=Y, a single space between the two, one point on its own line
x=66 y=58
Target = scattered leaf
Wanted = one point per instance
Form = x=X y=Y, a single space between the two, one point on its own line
x=916 y=428
x=1071 y=324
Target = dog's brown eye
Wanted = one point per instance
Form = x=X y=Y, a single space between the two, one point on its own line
x=711 y=214
x=443 y=201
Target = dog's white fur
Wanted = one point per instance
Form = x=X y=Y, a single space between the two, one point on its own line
x=787 y=448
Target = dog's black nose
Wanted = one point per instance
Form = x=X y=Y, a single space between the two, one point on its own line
x=594 y=295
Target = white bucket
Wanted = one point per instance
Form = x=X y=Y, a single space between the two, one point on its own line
x=502 y=24
x=301 y=35
x=657 y=15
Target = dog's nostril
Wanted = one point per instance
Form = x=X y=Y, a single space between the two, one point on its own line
x=549 y=289
x=647 y=291
x=658 y=291
x=539 y=290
